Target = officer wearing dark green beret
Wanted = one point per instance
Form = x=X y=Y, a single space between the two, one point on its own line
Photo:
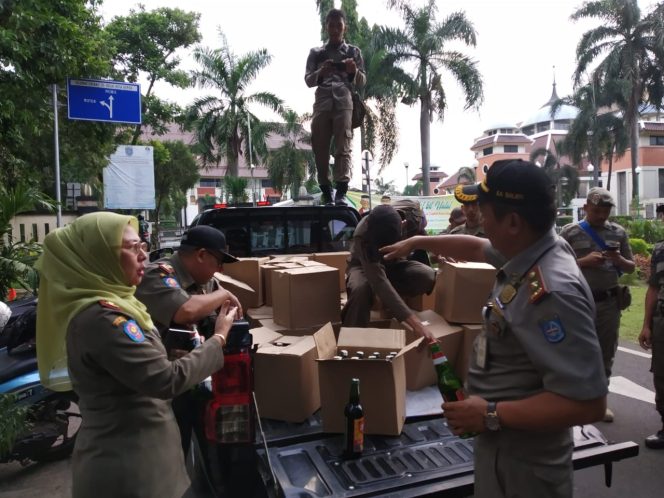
x=536 y=368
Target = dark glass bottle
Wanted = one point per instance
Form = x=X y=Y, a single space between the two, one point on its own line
x=354 y=435
x=449 y=384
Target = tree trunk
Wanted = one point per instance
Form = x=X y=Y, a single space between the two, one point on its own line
x=425 y=142
x=608 y=180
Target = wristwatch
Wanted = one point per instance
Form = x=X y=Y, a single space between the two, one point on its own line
x=491 y=418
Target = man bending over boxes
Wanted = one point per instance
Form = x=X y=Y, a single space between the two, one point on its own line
x=369 y=274
x=537 y=367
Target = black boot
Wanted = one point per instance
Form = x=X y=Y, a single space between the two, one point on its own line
x=656 y=441
x=342 y=188
x=326 y=197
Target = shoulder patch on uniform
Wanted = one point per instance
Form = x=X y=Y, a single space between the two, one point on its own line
x=552 y=329
x=110 y=305
x=536 y=285
x=133 y=331
x=166 y=268
x=171 y=282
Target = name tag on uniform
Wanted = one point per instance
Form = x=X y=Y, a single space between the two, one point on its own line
x=481 y=350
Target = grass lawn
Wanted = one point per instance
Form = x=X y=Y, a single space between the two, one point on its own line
x=632 y=317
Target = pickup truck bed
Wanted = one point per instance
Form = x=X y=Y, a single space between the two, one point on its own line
x=425 y=460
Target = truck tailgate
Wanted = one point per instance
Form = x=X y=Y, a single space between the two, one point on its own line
x=425 y=460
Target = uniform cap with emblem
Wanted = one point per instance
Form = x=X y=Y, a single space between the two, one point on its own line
x=599 y=196
x=516 y=182
x=465 y=194
x=209 y=238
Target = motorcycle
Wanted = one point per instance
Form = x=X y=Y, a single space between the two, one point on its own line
x=52 y=418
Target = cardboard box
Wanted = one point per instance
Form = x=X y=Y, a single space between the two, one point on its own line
x=462 y=290
x=470 y=332
x=285 y=376
x=289 y=258
x=420 y=371
x=338 y=260
x=266 y=271
x=254 y=315
x=422 y=302
x=245 y=294
x=270 y=324
x=382 y=383
x=248 y=270
x=305 y=297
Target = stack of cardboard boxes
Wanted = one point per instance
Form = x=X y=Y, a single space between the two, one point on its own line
x=294 y=304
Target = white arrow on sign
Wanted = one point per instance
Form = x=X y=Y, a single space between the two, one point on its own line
x=108 y=106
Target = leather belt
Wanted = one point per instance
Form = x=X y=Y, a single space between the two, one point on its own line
x=605 y=294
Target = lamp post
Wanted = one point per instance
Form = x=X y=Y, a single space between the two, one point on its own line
x=406 y=166
x=590 y=168
x=253 y=185
x=638 y=210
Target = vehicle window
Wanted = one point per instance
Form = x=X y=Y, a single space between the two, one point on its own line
x=340 y=233
x=267 y=236
x=300 y=236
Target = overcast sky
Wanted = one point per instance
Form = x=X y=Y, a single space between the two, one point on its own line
x=519 y=42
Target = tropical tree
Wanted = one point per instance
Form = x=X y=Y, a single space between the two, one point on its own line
x=42 y=43
x=563 y=176
x=384 y=188
x=146 y=43
x=414 y=189
x=626 y=46
x=236 y=189
x=17 y=257
x=422 y=44
x=292 y=163
x=467 y=174
x=175 y=171
x=220 y=121
x=597 y=132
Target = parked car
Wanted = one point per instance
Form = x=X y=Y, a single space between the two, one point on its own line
x=261 y=231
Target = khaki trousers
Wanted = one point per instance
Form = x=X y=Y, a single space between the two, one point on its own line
x=325 y=125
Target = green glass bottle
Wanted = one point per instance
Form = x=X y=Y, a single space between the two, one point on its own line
x=449 y=384
x=354 y=434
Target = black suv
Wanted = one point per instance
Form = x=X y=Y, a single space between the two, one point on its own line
x=261 y=231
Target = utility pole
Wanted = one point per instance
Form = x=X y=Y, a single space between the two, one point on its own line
x=56 y=142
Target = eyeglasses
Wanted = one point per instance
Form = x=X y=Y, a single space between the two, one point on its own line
x=137 y=247
x=220 y=259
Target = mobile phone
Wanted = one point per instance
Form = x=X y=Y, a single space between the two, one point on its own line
x=341 y=66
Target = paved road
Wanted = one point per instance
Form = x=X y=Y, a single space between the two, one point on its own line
x=635 y=419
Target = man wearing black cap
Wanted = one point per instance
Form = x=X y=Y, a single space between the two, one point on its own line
x=180 y=293
x=465 y=194
x=368 y=275
x=536 y=368
x=603 y=253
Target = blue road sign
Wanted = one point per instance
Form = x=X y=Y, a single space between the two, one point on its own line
x=104 y=100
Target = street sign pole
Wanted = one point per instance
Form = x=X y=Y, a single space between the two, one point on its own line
x=56 y=140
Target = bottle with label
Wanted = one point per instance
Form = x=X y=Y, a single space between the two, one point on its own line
x=449 y=384
x=354 y=434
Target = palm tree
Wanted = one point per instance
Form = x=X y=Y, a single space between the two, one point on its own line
x=467 y=174
x=17 y=258
x=423 y=43
x=596 y=132
x=291 y=164
x=627 y=47
x=563 y=176
x=220 y=121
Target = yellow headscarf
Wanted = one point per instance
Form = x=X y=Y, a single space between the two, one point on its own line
x=80 y=265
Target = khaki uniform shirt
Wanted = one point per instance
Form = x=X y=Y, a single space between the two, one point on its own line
x=603 y=277
x=165 y=287
x=334 y=91
x=477 y=231
x=129 y=444
x=538 y=335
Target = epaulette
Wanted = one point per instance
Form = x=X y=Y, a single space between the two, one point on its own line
x=166 y=268
x=109 y=305
x=536 y=285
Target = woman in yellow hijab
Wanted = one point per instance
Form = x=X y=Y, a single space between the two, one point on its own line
x=90 y=325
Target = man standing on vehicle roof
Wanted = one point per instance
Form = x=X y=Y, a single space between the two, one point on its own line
x=180 y=292
x=536 y=368
x=603 y=254
x=335 y=69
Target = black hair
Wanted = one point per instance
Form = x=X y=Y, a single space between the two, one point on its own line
x=335 y=14
x=540 y=217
